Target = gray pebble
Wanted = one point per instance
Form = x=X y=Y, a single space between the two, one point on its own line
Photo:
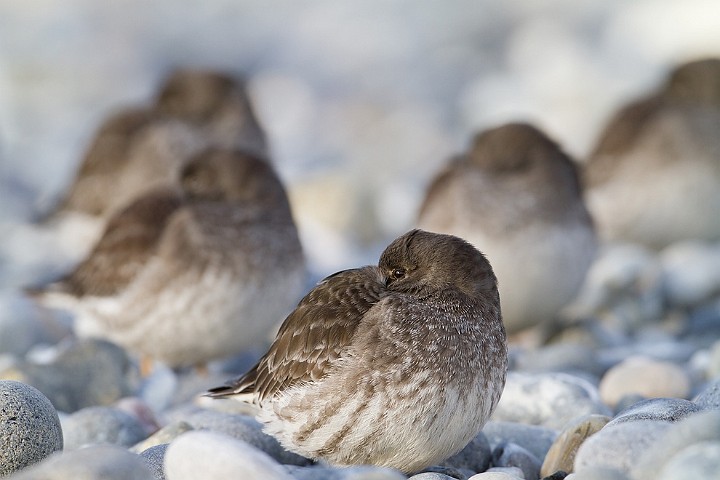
x=241 y=427
x=547 y=399
x=666 y=409
x=84 y=373
x=512 y=455
x=570 y=357
x=155 y=459
x=458 y=473
x=165 y=435
x=709 y=397
x=101 y=425
x=533 y=438
x=29 y=427
x=701 y=460
x=99 y=462
x=359 y=472
x=500 y=473
x=195 y=455
x=475 y=456
x=431 y=476
x=698 y=427
x=598 y=473
x=23 y=325
x=619 y=446
x=691 y=272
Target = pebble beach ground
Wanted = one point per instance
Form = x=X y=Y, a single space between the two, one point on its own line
x=626 y=385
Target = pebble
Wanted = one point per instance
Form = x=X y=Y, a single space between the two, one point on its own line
x=155 y=459
x=701 y=460
x=569 y=357
x=644 y=376
x=165 y=435
x=619 y=446
x=547 y=399
x=240 y=427
x=475 y=456
x=23 y=325
x=99 y=462
x=512 y=455
x=561 y=455
x=709 y=397
x=29 y=427
x=535 y=439
x=84 y=373
x=598 y=473
x=101 y=425
x=500 y=473
x=458 y=473
x=431 y=476
x=691 y=272
x=358 y=472
x=203 y=454
x=665 y=409
x=697 y=427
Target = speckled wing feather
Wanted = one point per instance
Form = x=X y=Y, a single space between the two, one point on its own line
x=127 y=244
x=313 y=336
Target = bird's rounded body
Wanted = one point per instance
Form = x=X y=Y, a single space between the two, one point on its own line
x=371 y=370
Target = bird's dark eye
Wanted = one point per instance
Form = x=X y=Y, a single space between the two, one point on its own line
x=398 y=273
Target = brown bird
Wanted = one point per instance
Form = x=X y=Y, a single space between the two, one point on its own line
x=139 y=149
x=186 y=275
x=517 y=195
x=654 y=175
x=398 y=365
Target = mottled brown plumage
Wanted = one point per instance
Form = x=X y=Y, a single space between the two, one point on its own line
x=517 y=195
x=654 y=174
x=193 y=273
x=398 y=365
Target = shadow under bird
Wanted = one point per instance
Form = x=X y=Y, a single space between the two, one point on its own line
x=189 y=274
x=396 y=365
x=517 y=195
x=654 y=175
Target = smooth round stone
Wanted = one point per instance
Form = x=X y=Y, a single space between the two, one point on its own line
x=701 y=460
x=698 y=427
x=691 y=272
x=625 y=282
x=619 y=446
x=475 y=456
x=561 y=456
x=533 y=438
x=512 y=455
x=459 y=473
x=155 y=459
x=709 y=397
x=569 y=357
x=84 y=373
x=99 y=462
x=644 y=376
x=359 y=472
x=165 y=435
x=665 y=409
x=500 y=473
x=547 y=399
x=23 y=325
x=241 y=427
x=203 y=454
x=101 y=425
x=431 y=476
x=598 y=473
x=29 y=427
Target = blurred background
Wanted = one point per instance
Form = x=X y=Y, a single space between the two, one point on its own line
x=362 y=101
